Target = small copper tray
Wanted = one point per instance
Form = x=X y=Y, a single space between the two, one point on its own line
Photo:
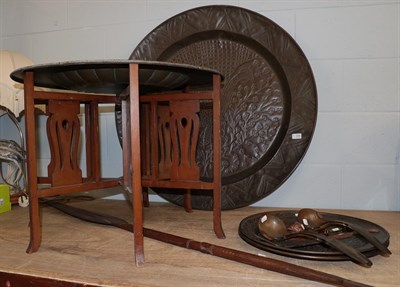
x=248 y=231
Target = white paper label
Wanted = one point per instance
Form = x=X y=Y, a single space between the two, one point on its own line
x=264 y=218
x=296 y=136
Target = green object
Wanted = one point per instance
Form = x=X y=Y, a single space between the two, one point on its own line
x=5 y=204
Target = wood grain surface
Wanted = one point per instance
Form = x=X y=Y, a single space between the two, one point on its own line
x=78 y=251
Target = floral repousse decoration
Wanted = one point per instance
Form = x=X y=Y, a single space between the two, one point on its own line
x=269 y=98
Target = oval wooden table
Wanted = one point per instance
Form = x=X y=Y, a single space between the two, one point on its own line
x=90 y=83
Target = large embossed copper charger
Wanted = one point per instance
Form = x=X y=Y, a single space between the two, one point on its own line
x=269 y=98
x=309 y=249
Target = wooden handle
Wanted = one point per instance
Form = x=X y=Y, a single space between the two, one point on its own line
x=364 y=233
x=348 y=250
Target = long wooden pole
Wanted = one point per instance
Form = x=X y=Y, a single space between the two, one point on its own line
x=211 y=249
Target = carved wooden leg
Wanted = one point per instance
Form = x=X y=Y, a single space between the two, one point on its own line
x=145 y=191
x=34 y=213
x=187 y=200
x=136 y=163
x=34 y=223
x=217 y=157
x=217 y=214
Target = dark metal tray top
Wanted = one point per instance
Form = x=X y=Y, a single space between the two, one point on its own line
x=112 y=76
x=249 y=232
x=269 y=98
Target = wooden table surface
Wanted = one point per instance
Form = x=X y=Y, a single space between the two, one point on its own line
x=73 y=250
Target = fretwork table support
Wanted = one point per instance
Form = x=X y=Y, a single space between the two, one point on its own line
x=63 y=130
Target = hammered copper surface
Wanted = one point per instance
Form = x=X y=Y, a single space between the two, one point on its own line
x=112 y=76
x=249 y=232
x=269 y=99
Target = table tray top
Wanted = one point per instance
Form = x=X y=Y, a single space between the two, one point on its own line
x=112 y=76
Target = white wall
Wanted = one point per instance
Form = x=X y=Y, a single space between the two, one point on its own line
x=353 y=47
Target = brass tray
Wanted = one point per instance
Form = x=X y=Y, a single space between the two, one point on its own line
x=269 y=98
x=112 y=76
x=248 y=231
